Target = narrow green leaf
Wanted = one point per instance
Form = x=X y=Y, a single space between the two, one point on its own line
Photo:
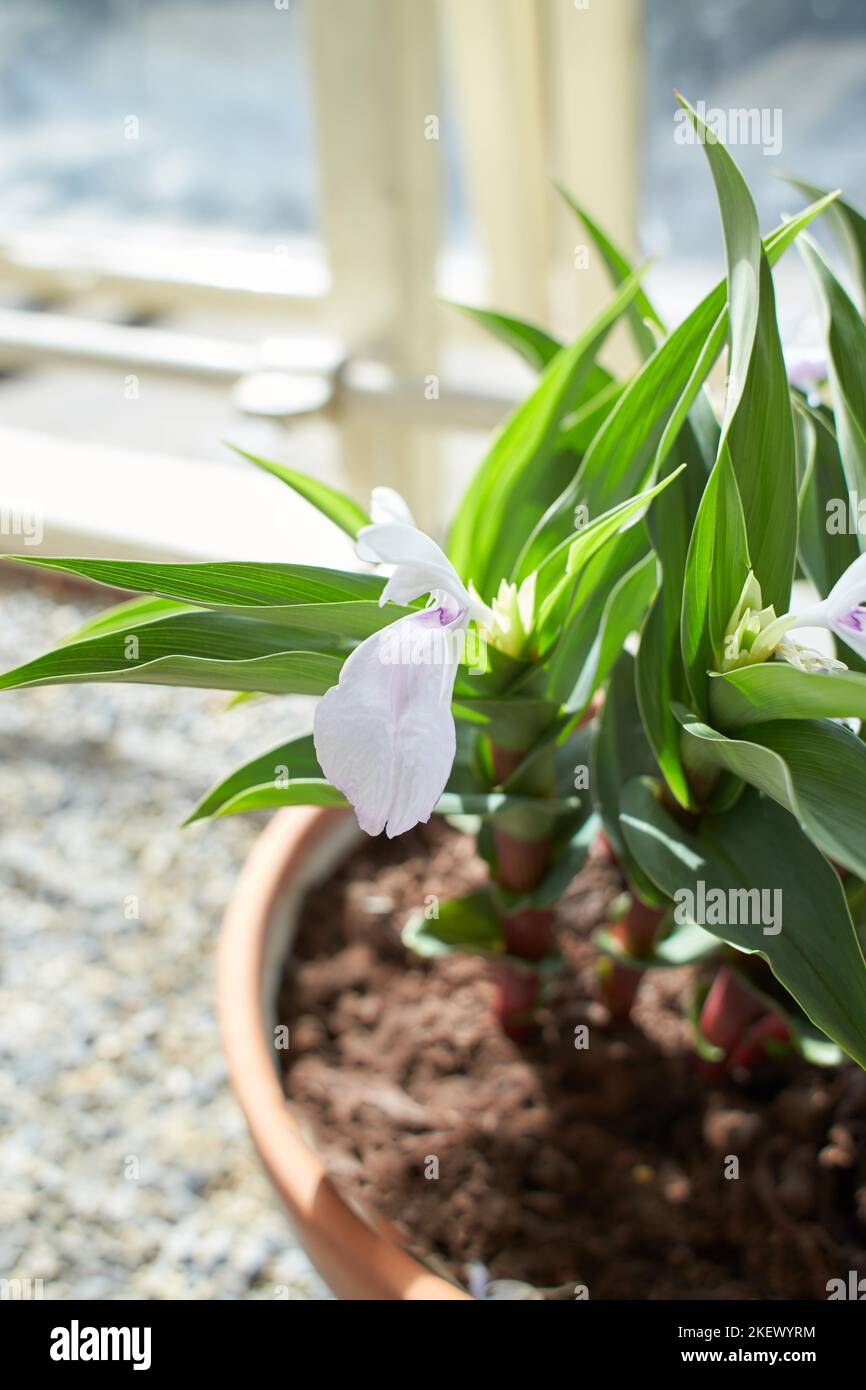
x=287 y=761
x=337 y=506
x=846 y=342
x=849 y=226
x=640 y=312
x=717 y=567
x=659 y=671
x=622 y=614
x=508 y=490
x=763 y=454
x=301 y=791
x=827 y=545
x=556 y=574
x=222 y=584
x=128 y=616
x=303 y=597
x=743 y=256
x=621 y=752
x=579 y=430
x=633 y=441
x=212 y=650
x=533 y=344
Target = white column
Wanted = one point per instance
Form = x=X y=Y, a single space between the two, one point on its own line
x=375 y=89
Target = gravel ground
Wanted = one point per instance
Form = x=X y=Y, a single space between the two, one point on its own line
x=126 y=1171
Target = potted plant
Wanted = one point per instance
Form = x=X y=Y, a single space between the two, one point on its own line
x=596 y=682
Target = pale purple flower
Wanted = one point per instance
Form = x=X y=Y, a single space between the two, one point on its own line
x=807 y=365
x=385 y=734
x=843 y=611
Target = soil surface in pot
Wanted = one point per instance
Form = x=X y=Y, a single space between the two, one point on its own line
x=604 y=1167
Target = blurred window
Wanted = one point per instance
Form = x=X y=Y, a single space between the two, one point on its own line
x=802 y=59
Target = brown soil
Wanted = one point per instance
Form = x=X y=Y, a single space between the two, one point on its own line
x=602 y=1167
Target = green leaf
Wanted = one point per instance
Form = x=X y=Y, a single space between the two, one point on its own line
x=640 y=312
x=627 y=449
x=237 y=583
x=774 y=690
x=337 y=506
x=556 y=574
x=757 y=845
x=470 y=923
x=622 y=614
x=659 y=671
x=533 y=344
x=620 y=752
x=579 y=430
x=814 y=769
x=580 y=628
x=643 y=318
x=293 y=760
x=128 y=616
x=510 y=722
x=716 y=569
x=743 y=256
x=846 y=342
x=502 y=500
x=825 y=552
x=751 y=498
x=216 y=651
x=268 y=796
x=303 y=597
x=763 y=453
x=849 y=226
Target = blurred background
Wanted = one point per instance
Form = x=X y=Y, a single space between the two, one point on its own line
x=244 y=220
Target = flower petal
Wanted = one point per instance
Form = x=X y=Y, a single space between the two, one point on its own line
x=388 y=505
x=419 y=566
x=394 y=543
x=851 y=628
x=384 y=734
x=850 y=590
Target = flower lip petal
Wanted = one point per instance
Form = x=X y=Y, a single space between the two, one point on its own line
x=843 y=611
x=386 y=505
x=420 y=566
x=384 y=735
x=850 y=590
x=395 y=543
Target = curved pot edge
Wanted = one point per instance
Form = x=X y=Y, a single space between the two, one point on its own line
x=297 y=848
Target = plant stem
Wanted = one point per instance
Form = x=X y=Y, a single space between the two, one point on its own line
x=636 y=932
x=521 y=865
x=738 y=1022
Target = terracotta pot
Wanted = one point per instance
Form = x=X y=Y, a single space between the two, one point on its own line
x=358 y=1258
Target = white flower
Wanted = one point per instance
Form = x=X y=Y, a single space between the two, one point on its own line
x=385 y=734
x=843 y=611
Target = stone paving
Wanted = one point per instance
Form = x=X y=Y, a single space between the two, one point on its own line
x=126 y=1171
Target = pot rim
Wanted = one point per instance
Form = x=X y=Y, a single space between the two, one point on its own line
x=355 y=1260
